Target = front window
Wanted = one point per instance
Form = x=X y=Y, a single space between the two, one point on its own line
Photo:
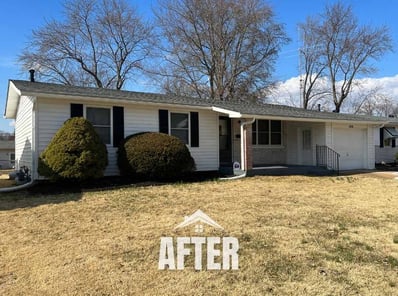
x=179 y=126
x=267 y=132
x=100 y=118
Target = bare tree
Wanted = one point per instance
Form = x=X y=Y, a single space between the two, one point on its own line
x=344 y=50
x=375 y=103
x=313 y=66
x=100 y=43
x=221 y=49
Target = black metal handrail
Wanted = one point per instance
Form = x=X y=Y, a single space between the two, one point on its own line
x=328 y=158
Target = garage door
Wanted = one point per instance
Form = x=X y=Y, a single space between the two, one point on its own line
x=350 y=143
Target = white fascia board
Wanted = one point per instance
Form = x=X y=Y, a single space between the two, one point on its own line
x=230 y=113
x=13 y=96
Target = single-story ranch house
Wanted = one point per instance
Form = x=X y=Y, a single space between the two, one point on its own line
x=217 y=133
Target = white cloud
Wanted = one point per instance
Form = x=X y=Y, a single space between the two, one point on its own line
x=286 y=92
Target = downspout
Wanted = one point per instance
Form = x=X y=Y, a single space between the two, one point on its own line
x=242 y=150
x=17 y=188
x=35 y=140
x=243 y=143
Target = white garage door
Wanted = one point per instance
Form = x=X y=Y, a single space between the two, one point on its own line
x=350 y=143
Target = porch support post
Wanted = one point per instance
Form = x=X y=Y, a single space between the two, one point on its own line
x=246 y=144
x=249 y=150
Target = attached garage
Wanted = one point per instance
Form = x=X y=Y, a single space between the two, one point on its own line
x=351 y=144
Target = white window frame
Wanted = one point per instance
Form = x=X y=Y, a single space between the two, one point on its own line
x=269 y=135
x=189 y=124
x=111 y=119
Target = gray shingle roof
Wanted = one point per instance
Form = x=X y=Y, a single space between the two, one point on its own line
x=294 y=112
x=40 y=88
x=245 y=108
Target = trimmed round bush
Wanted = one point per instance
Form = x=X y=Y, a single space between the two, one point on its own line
x=147 y=156
x=75 y=152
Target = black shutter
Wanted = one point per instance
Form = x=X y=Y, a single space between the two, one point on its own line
x=76 y=110
x=393 y=144
x=118 y=125
x=163 y=121
x=381 y=137
x=194 y=129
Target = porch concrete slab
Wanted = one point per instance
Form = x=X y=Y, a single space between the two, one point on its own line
x=289 y=170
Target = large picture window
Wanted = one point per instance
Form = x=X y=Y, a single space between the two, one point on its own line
x=179 y=126
x=100 y=118
x=267 y=132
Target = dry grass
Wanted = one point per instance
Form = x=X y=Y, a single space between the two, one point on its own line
x=5 y=183
x=298 y=236
x=4 y=179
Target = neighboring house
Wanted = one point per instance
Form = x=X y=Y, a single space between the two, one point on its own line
x=7 y=152
x=386 y=143
x=217 y=133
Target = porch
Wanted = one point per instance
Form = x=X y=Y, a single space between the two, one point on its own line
x=293 y=147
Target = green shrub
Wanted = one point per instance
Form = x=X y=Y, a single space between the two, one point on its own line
x=75 y=152
x=154 y=156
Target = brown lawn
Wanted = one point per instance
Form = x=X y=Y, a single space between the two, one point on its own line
x=297 y=235
x=4 y=179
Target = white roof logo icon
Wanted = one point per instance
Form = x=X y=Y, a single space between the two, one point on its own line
x=199 y=217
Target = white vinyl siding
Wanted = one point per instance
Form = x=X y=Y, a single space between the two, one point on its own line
x=52 y=113
x=51 y=116
x=24 y=133
x=206 y=155
x=146 y=119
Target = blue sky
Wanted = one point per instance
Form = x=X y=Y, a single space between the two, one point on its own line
x=19 y=17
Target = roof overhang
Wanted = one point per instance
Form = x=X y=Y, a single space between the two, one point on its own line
x=236 y=114
x=14 y=95
x=319 y=120
x=230 y=113
x=12 y=102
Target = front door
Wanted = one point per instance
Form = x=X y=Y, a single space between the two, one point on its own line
x=224 y=129
x=305 y=149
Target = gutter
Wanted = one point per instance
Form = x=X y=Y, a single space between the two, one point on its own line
x=384 y=124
